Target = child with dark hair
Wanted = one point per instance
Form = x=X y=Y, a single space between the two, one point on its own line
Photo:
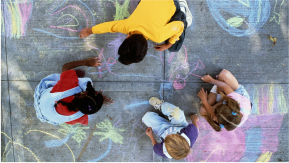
x=176 y=134
x=225 y=111
x=68 y=97
x=159 y=21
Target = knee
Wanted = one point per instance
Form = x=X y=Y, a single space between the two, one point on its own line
x=146 y=116
x=224 y=74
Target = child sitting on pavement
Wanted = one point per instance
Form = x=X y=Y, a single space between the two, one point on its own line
x=176 y=134
x=225 y=111
x=68 y=97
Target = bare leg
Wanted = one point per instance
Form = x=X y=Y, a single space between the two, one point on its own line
x=228 y=78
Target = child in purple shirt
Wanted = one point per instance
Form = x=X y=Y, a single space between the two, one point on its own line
x=225 y=111
x=177 y=135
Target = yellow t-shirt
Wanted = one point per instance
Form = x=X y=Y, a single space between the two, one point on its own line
x=150 y=18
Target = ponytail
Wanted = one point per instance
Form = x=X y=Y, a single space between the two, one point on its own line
x=228 y=115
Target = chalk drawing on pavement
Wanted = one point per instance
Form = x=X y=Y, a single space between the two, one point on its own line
x=74 y=131
x=240 y=17
x=70 y=20
x=277 y=15
x=14 y=18
x=109 y=132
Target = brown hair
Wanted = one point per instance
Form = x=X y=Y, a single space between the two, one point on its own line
x=177 y=146
x=224 y=115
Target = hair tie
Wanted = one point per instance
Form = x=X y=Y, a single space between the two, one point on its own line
x=89 y=108
x=234 y=113
x=224 y=102
x=222 y=126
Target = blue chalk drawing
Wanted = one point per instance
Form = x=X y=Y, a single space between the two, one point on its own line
x=103 y=155
x=131 y=106
x=57 y=143
x=253 y=145
x=65 y=1
x=40 y=30
x=165 y=87
x=255 y=13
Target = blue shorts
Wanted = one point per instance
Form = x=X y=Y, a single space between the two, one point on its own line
x=241 y=90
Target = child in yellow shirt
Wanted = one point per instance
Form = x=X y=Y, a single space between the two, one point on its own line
x=157 y=20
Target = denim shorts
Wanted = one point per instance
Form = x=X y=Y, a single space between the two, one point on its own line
x=241 y=90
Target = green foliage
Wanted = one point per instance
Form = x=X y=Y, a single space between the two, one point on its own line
x=108 y=131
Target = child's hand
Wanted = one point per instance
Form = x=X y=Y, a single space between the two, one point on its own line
x=149 y=132
x=85 y=32
x=106 y=100
x=203 y=95
x=207 y=78
x=91 y=62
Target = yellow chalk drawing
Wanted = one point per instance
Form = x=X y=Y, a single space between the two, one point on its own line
x=235 y=21
x=108 y=131
x=121 y=11
x=76 y=130
x=19 y=159
x=13 y=142
x=21 y=146
x=277 y=20
x=265 y=157
x=212 y=153
x=268 y=99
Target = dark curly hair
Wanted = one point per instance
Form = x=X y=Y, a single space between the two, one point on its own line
x=89 y=104
x=133 y=49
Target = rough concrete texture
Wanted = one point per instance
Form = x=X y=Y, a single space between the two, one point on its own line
x=38 y=37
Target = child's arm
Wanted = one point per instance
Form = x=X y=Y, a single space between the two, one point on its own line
x=208 y=79
x=88 y=62
x=203 y=96
x=195 y=119
x=149 y=133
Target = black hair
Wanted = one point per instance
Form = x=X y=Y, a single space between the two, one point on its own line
x=89 y=104
x=133 y=49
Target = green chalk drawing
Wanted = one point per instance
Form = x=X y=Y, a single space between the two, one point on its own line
x=109 y=132
x=76 y=130
x=68 y=24
x=246 y=4
x=235 y=21
x=2 y=23
x=276 y=14
x=121 y=11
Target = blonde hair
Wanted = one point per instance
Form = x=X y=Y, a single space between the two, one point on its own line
x=177 y=146
x=224 y=115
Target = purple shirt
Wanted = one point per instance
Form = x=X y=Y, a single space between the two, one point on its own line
x=192 y=133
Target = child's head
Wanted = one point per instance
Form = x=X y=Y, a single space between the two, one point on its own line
x=90 y=103
x=177 y=146
x=133 y=49
x=228 y=115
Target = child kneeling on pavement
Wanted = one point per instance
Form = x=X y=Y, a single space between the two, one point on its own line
x=176 y=134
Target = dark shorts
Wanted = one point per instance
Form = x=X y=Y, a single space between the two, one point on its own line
x=178 y=16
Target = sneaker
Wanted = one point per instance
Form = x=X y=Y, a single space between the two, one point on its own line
x=185 y=8
x=156 y=103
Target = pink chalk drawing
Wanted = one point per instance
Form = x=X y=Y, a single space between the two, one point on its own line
x=178 y=83
x=258 y=135
x=65 y=20
x=15 y=16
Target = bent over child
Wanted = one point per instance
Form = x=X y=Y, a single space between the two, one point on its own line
x=176 y=134
x=229 y=110
x=68 y=97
